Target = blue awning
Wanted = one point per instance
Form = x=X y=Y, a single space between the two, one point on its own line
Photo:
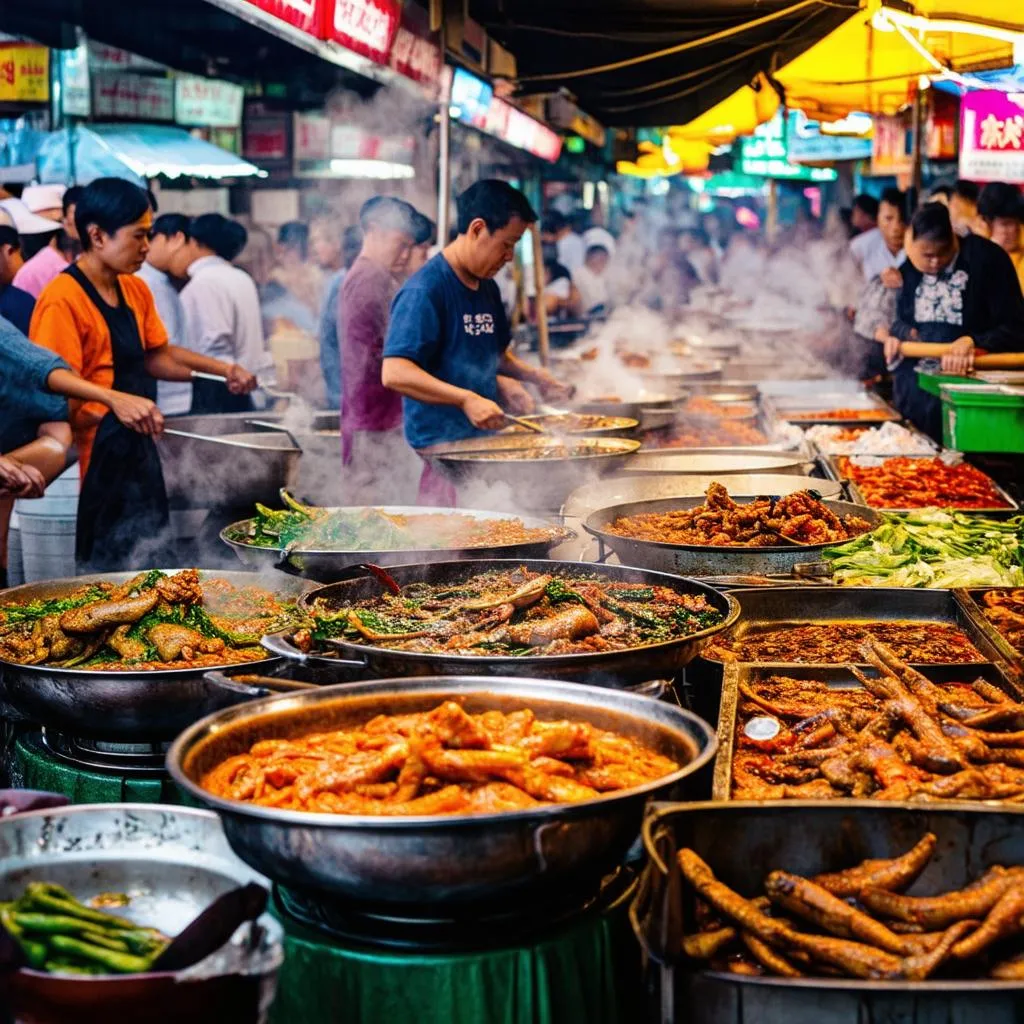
x=136 y=152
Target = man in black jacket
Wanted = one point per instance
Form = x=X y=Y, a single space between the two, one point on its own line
x=961 y=292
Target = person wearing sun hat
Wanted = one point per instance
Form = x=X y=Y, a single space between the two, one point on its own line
x=44 y=261
x=45 y=201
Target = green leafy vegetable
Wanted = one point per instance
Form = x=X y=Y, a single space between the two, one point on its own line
x=558 y=592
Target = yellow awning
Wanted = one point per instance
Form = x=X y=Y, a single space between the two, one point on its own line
x=873 y=61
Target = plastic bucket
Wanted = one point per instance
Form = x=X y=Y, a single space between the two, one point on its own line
x=47 y=526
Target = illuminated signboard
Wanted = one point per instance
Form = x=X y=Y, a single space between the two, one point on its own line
x=766 y=154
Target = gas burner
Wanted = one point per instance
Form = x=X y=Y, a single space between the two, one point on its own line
x=135 y=759
x=352 y=923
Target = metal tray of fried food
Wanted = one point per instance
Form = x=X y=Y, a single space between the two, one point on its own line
x=856 y=495
x=743 y=841
x=973 y=601
x=771 y=607
x=739 y=676
x=807 y=410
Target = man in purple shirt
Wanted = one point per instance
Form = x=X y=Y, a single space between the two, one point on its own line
x=379 y=466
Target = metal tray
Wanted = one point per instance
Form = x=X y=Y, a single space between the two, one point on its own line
x=788 y=408
x=718 y=462
x=832 y=464
x=837 y=677
x=972 y=601
x=778 y=606
x=743 y=841
x=704 y=559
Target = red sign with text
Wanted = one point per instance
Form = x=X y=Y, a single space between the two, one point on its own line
x=367 y=27
x=302 y=14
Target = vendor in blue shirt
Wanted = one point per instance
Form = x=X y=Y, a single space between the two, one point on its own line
x=447 y=347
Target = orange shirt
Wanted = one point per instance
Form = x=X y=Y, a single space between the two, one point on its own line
x=66 y=322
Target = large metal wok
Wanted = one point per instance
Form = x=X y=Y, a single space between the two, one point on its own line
x=326 y=566
x=143 y=706
x=705 y=559
x=173 y=862
x=230 y=470
x=425 y=863
x=610 y=668
x=540 y=483
x=718 y=462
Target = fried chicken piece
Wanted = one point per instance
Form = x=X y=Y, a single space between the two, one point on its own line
x=90 y=618
x=1003 y=921
x=495 y=797
x=182 y=588
x=893 y=875
x=470 y=765
x=129 y=649
x=174 y=641
x=771 y=961
x=707 y=945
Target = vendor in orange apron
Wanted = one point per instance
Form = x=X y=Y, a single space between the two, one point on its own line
x=102 y=320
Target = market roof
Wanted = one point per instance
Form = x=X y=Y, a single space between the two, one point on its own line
x=142 y=150
x=601 y=50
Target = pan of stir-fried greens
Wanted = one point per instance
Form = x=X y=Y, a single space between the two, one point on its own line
x=122 y=656
x=321 y=543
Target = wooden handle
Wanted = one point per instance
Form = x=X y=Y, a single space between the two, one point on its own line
x=543 y=341
x=992 y=361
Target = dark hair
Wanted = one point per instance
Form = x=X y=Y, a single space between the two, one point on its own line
x=557 y=270
x=387 y=213
x=941 y=190
x=153 y=204
x=593 y=250
x=894 y=197
x=1000 y=199
x=294 y=235
x=932 y=224
x=425 y=228
x=966 y=190
x=866 y=204
x=31 y=244
x=9 y=236
x=71 y=197
x=109 y=204
x=225 y=237
x=351 y=243
x=171 y=224
x=553 y=222
x=494 y=202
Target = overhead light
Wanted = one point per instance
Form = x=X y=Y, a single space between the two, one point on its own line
x=381 y=170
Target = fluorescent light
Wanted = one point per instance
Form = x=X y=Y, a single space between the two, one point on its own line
x=377 y=169
x=922 y=24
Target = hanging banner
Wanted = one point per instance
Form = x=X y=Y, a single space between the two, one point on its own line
x=367 y=27
x=414 y=52
x=207 y=102
x=891 y=146
x=265 y=135
x=132 y=97
x=24 y=73
x=75 y=87
x=992 y=136
x=304 y=15
x=113 y=58
x=312 y=137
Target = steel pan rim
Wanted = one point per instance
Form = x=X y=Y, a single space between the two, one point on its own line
x=730 y=618
x=845 y=507
x=466 y=686
x=169 y=674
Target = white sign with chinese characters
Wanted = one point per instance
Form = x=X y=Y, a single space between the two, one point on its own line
x=207 y=102
x=992 y=136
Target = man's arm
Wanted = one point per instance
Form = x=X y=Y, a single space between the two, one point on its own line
x=550 y=386
x=405 y=377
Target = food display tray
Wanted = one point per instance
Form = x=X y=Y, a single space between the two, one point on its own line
x=790 y=408
x=857 y=496
x=764 y=608
x=838 y=677
x=742 y=841
x=972 y=601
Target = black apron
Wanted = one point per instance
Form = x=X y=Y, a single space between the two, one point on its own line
x=123 y=516
x=212 y=397
x=922 y=408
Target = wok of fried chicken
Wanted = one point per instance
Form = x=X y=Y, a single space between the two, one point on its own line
x=858 y=924
x=899 y=737
x=763 y=522
x=445 y=761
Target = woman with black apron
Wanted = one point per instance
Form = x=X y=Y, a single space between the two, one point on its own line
x=102 y=320
x=959 y=292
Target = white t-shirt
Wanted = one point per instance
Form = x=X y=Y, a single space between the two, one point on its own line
x=593 y=288
x=570 y=251
x=599 y=236
x=873 y=255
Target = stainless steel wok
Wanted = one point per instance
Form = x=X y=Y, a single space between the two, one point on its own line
x=172 y=862
x=143 y=706
x=704 y=559
x=426 y=863
x=228 y=470
x=609 y=668
x=326 y=566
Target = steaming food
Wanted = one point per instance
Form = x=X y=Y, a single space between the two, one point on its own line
x=841 y=414
x=699 y=405
x=573 y=423
x=896 y=737
x=838 y=642
x=444 y=761
x=514 y=612
x=919 y=483
x=373 y=529
x=1005 y=610
x=153 y=621
x=722 y=434
x=764 y=522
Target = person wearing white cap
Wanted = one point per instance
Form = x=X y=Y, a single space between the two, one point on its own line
x=55 y=254
x=24 y=220
x=45 y=201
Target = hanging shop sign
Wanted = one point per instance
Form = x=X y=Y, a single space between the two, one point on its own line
x=563 y=113
x=265 y=135
x=132 y=97
x=806 y=143
x=941 y=124
x=992 y=136
x=367 y=27
x=766 y=153
x=471 y=98
x=24 y=73
x=305 y=15
x=892 y=146
x=415 y=53
x=75 y=87
x=312 y=137
x=113 y=58
x=207 y=102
